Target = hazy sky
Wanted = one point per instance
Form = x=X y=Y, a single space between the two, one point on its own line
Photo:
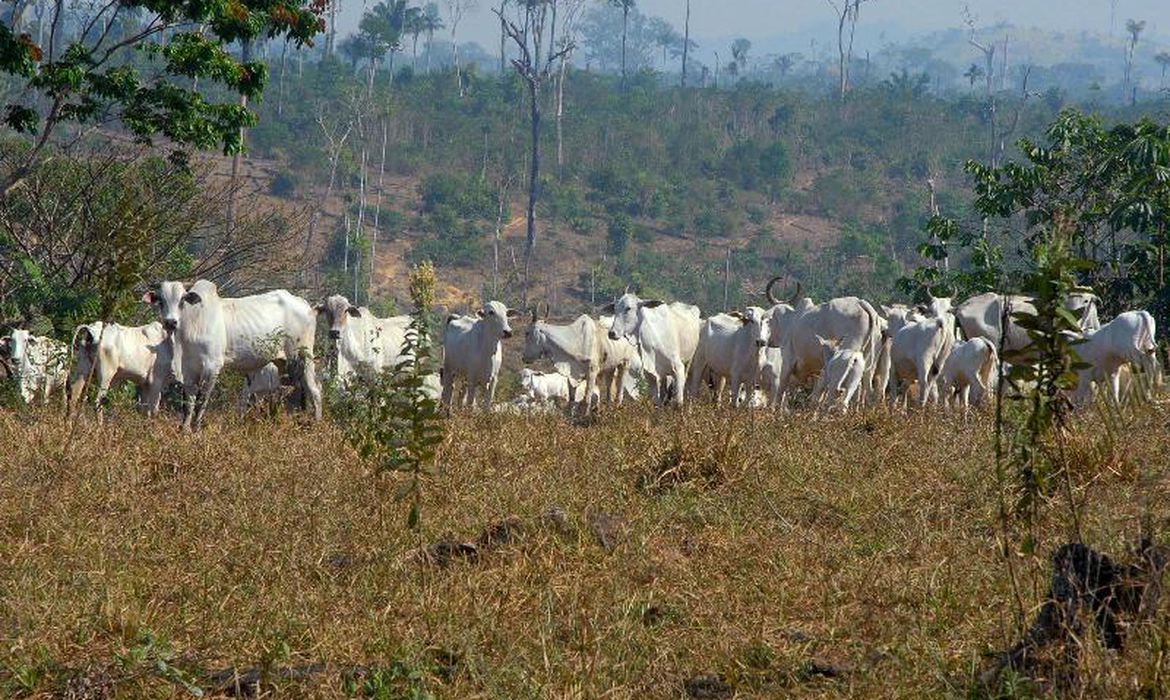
x=764 y=19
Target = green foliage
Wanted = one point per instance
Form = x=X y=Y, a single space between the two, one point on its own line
x=1048 y=366
x=392 y=421
x=151 y=654
x=398 y=681
x=88 y=74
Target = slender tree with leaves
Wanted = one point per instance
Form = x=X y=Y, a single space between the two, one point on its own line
x=625 y=6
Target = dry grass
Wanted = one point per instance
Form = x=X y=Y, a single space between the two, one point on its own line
x=771 y=551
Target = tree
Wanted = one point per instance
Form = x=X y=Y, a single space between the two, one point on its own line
x=355 y=48
x=1163 y=59
x=665 y=36
x=847 y=12
x=431 y=22
x=456 y=9
x=1134 y=28
x=739 y=52
x=529 y=37
x=414 y=24
x=686 y=43
x=86 y=75
x=383 y=26
x=625 y=6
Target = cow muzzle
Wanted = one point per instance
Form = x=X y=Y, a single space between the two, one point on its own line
x=169 y=324
x=506 y=334
x=334 y=335
x=613 y=336
x=761 y=343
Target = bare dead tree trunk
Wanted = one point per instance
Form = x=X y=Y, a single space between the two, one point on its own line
x=335 y=144
x=686 y=43
x=280 y=87
x=560 y=115
x=377 y=208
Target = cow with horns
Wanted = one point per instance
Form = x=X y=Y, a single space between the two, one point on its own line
x=799 y=326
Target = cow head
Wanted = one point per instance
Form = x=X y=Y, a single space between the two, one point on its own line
x=534 y=336
x=168 y=298
x=495 y=315
x=1084 y=304
x=18 y=344
x=755 y=319
x=338 y=311
x=626 y=311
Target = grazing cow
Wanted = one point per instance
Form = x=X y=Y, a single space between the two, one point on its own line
x=213 y=333
x=841 y=378
x=968 y=373
x=981 y=316
x=850 y=322
x=40 y=364
x=583 y=349
x=109 y=353
x=918 y=352
x=366 y=344
x=471 y=349
x=730 y=347
x=666 y=335
x=546 y=387
x=1129 y=338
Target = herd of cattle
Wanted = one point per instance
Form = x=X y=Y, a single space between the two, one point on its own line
x=850 y=351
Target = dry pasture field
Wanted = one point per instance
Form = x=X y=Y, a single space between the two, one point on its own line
x=649 y=554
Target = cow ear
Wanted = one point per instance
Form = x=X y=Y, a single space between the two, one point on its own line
x=512 y=313
x=32 y=340
x=192 y=298
x=608 y=308
x=354 y=311
x=479 y=313
x=652 y=303
x=452 y=317
x=149 y=297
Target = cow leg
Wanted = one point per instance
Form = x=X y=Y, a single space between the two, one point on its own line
x=1115 y=386
x=152 y=394
x=470 y=393
x=591 y=372
x=490 y=394
x=190 y=395
x=310 y=386
x=679 y=372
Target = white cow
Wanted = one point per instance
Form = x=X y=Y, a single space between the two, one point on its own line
x=841 y=378
x=109 y=353
x=918 y=353
x=1127 y=339
x=583 y=349
x=771 y=366
x=852 y=323
x=366 y=344
x=968 y=374
x=547 y=387
x=981 y=316
x=39 y=363
x=471 y=350
x=730 y=347
x=666 y=335
x=213 y=333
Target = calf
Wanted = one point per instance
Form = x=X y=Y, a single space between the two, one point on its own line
x=969 y=372
x=1129 y=338
x=40 y=364
x=471 y=350
x=243 y=334
x=841 y=378
x=109 y=353
x=546 y=387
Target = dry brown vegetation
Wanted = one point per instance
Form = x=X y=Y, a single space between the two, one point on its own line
x=650 y=554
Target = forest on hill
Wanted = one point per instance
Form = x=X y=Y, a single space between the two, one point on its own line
x=397 y=143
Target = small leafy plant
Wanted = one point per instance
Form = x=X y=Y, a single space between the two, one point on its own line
x=394 y=421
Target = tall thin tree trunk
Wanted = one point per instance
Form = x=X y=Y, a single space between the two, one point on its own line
x=377 y=209
x=361 y=210
x=230 y=223
x=430 y=41
x=686 y=43
x=280 y=87
x=533 y=185
x=561 y=114
x=625 y=25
